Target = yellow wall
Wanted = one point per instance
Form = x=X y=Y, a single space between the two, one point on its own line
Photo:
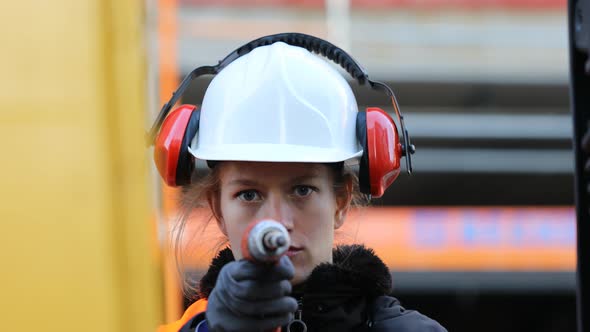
x=77 y=249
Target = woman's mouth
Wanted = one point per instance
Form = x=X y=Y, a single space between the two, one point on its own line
x=292 y=251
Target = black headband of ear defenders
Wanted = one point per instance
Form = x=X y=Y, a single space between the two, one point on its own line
x=312 y=44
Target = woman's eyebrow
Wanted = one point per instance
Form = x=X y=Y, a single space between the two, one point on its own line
x=243 y=182
x=303 y=178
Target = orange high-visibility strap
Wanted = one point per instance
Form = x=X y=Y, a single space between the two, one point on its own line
x=194 y=309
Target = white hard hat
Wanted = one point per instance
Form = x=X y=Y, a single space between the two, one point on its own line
x=279 y=103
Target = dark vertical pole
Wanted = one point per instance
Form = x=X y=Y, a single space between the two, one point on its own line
x=579 y=42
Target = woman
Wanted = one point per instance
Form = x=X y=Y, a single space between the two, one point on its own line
x=279 y=128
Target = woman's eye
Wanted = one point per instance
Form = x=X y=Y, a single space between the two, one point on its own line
x=248 y=195
x=303 y=191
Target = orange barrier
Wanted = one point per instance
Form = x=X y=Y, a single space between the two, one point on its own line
x=442 y=238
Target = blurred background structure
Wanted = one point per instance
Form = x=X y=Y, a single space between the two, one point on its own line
x=482 y=235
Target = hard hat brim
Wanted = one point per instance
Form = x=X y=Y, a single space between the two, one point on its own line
x=274 y=153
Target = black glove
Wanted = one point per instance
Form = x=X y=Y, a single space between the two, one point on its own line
x=251 y=297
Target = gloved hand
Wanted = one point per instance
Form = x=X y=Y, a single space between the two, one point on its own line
x=251 y=297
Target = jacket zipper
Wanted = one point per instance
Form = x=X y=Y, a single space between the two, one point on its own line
x=298 y=318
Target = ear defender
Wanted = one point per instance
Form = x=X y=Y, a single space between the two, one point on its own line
x=172 y=131
x=171 y=155
x=382 y=151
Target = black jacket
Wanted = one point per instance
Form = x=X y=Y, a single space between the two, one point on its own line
x=350 y=294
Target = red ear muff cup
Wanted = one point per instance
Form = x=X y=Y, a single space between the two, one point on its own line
x=384 y=150
x=171 y=154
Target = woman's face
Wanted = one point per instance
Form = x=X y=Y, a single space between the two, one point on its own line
x=299 y=195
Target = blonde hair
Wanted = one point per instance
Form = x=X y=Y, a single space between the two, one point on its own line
x=195 y=196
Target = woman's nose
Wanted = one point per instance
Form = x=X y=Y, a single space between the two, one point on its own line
x=279 y=209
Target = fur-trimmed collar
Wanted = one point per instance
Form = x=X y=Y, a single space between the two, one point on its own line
x=355 y=268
